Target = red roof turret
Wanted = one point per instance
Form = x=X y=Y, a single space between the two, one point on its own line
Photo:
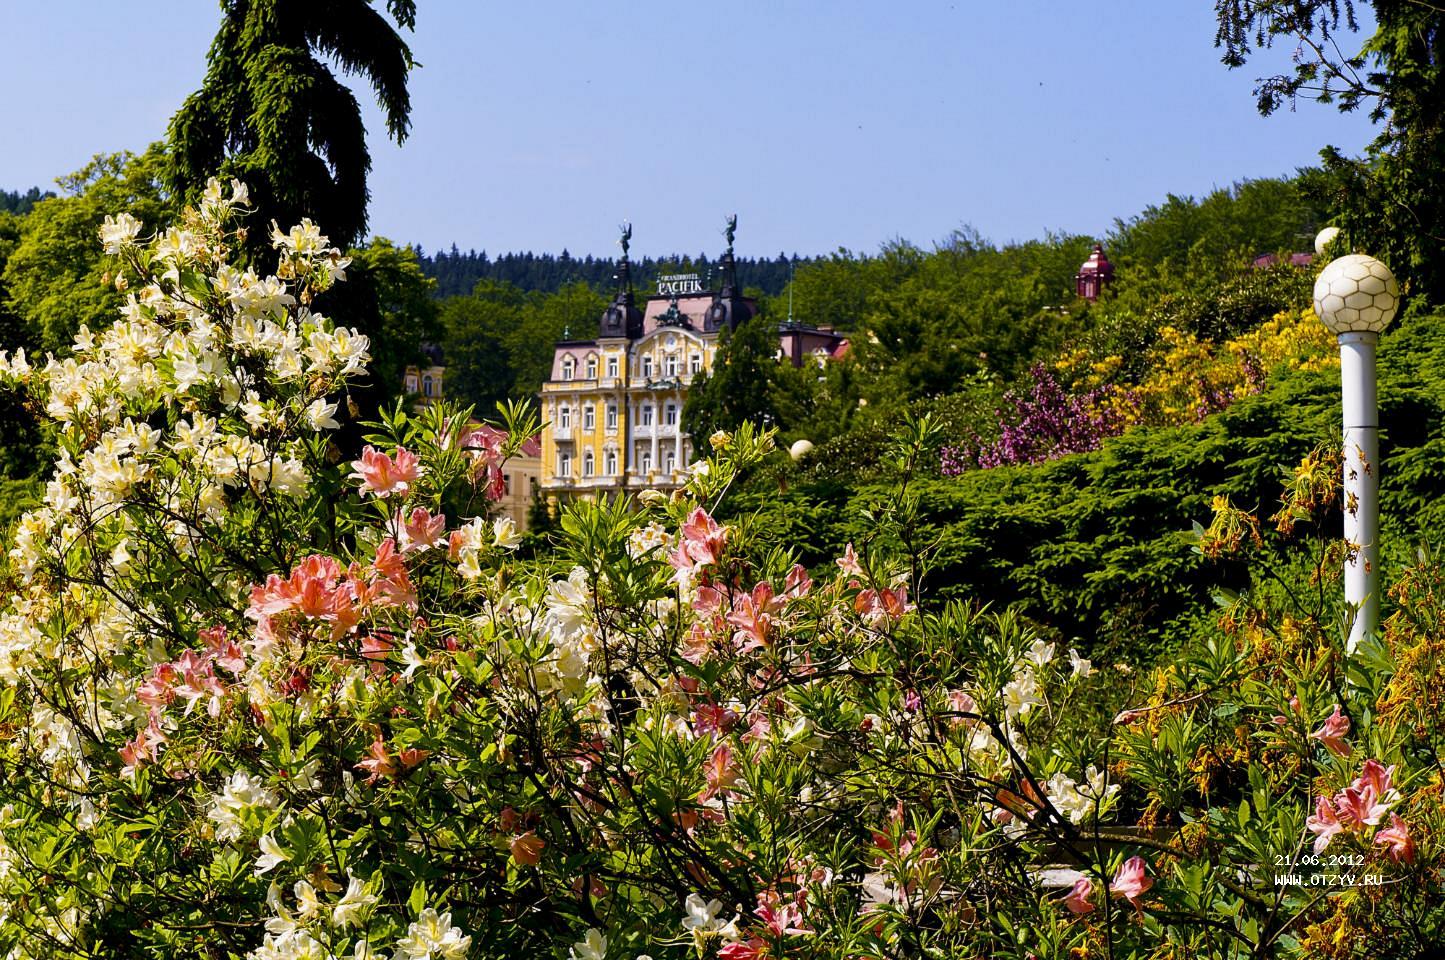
x=1096 y=273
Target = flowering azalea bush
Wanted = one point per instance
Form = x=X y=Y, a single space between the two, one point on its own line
x=1186 y=380
x=263 y=698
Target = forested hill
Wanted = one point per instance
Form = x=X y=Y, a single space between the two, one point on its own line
x=457 y=273
x=13 y=201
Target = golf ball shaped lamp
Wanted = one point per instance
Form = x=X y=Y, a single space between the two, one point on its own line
x=1356 y=297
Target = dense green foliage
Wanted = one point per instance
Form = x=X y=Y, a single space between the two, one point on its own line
x=498 y=341
x=1093 y=544
x=55 y=278
x=13 y=201
x=1388 y=202
x=272 y=112
x=458 y=273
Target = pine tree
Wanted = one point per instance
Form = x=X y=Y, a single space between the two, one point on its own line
x=271 y=112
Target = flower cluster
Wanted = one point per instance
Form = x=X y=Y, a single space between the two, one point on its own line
x=1187 y=379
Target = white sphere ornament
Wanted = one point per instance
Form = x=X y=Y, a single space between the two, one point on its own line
x=800 y=449
x=1356 y=294
x=1324 y=238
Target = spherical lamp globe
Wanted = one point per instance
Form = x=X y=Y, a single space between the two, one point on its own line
x=800 y=449
x=1356 y=294
x=1324 y=238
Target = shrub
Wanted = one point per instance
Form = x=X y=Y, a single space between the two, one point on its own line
x=258 y=702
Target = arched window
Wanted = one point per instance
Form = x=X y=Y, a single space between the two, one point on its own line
x=670 y=416
x=589 y=417
x=669 y=462
x=589 y=464
x=647 y=461
x=612 y=416
x=610 y=463
x=591 y=368
x=569 y=368
x=564 y=417
x=426 y=385
x=564 y=465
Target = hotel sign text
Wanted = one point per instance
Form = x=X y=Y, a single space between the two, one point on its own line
x=679 y=285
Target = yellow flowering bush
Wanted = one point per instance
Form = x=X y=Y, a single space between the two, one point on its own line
x=1191 y=378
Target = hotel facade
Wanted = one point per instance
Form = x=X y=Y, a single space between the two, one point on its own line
x=612 y=407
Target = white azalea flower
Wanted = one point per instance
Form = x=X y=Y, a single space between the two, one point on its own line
x=432 y=937
x=272 y=855
x=591 y=947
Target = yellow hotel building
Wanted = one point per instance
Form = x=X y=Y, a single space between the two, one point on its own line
x=612 y=408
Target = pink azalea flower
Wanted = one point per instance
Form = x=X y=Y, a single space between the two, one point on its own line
x=1324 y=824
x=1132 y=880
x=378 y=762
x=797 y=583
x=381 y=476
x=876 y=606
x=1332 y=733
x=754 y=948
x=848 y=562
x=752 y=616
x=421 y=529
x=143 y=747
x=1396 y=839
x=720 y=772
x=697 y=645
x=781 y=919
x=960 y=702
x=1078 y=899
x=226 y=654
x=1375 y=775
x=1359 y=806
x=485 y=446
x=701 y=542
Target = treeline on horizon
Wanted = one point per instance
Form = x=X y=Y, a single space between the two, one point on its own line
x=13 y=201
x=457 y=273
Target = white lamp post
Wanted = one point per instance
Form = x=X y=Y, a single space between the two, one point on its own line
x=1356 y=297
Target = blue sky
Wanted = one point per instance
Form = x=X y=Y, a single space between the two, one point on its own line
x=821 y=123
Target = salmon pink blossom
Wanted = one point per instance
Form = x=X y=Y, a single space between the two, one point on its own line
x=1395 y=838
x=1324 y=824
x=1332 y=733
x=420 y=531
x=752 y=615
x=1078 y=899
x=381 y=476
x=1132 y=880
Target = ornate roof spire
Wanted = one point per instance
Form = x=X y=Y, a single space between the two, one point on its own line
x=622 y=318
